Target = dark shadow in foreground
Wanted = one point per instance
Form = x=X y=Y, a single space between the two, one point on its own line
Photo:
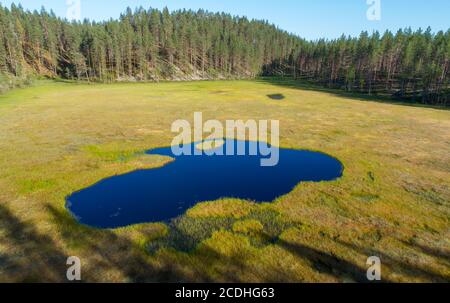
x=327 y=263
x=405 y=267
x=29 y=255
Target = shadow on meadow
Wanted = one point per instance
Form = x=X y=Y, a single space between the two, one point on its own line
x=387 y=99
x=108 y=251
x=405 y=266
x=441 y=255
x=276 y=96
x=327 y=263
x=34 y=257
x=191 y=238
x=30 y=256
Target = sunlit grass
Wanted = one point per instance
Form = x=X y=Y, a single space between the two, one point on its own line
x=393 y=200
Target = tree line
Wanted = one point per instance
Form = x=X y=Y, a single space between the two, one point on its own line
x=155 y=45
x=409 y=64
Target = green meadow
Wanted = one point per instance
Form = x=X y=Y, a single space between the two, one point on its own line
x=393 y=200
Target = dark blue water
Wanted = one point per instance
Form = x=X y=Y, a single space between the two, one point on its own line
x=160 y=194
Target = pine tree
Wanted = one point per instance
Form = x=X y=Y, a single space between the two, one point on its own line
x=153 y=44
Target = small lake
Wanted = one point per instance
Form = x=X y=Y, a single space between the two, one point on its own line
x=162 y=194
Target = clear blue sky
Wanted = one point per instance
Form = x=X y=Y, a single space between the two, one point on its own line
x=311 y=19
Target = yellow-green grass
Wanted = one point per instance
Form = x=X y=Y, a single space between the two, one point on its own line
x=392 y=202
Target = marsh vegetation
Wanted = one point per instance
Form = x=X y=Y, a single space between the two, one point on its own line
x=393 y=200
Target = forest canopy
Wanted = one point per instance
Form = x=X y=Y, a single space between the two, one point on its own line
x=156 y=45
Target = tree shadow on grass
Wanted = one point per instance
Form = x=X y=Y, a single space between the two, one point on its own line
x=327 y=263
x=30 y=256
x=322 y=262
x=440 y=254
x=34 y=257
x=237 y=266
x=291 y=83
x=405 y=267
x=112 y=252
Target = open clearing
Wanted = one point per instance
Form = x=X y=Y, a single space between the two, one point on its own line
x=393 y=200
